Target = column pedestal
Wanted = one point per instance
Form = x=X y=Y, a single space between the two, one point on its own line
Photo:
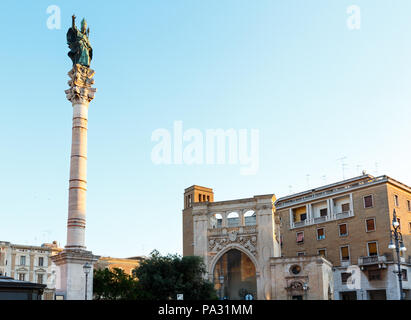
x=70 y=277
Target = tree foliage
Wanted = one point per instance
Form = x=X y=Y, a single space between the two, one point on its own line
x=157 y=278
x=115 y=285
x=163 y=277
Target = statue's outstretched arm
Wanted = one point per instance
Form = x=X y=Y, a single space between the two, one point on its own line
x=73 y=22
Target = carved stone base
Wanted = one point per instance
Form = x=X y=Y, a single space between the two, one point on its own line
x=70 y=277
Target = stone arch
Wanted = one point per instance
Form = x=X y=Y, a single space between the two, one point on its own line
x=235 y=272
x=230 y=247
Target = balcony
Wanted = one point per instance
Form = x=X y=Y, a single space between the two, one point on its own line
x=331 y=217
x=342 y=215
x=368 y=261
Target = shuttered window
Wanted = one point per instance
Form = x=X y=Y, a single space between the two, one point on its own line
x=370 y=224
x=368 y=201
x=300 y=237
x=343 y=230
x=320 y=234
x=345 y=255
x=372 y=249
x=345 y=207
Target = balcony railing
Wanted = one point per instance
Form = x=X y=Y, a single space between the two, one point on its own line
x=372 y=260
x=331 y=217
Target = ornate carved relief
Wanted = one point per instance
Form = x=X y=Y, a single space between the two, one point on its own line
x=80 y=90
x=238 y=236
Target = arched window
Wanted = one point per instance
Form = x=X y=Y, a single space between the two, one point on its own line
x=250 y=218
x=233 y=219
x=216 y=221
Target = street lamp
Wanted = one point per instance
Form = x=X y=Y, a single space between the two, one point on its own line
x=221 y=278
x=86 y=268
x=398 y=245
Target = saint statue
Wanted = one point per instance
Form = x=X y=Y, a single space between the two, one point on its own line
x=77 y=40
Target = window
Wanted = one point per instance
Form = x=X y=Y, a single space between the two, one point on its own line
x=345 y=207
x=199 y=198
x=409 y=205
x=300 y=253
x=299 y=214
x=343 y=230
x=23 y=260
x=323 y=212
x=189 y=200
x=300 y=237
x=22 y=276
x=396 y=202
x=250 y=218
x=345 y=253
x=372 y=249
x=218 y=221
x=320 y=234
x=409 y=226
x=208 y=198
x=233 y=219
x=374 y=275
x=345 y=276
x=370 y=224
x=41 y=261
x=368 y=203
x=39 y=278
x=404 y=275
x=322 y=252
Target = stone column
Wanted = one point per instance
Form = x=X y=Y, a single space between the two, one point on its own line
x=70 y=276
x=80 y=94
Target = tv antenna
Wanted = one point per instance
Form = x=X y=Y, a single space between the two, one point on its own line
x=343 y=165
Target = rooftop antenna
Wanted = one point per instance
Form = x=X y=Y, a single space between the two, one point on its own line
x=343 y=165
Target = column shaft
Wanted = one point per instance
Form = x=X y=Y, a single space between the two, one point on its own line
x=76 y=223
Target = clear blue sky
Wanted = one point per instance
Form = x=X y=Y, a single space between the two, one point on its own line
x=316 y=91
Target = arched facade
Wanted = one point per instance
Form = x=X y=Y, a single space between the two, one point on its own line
x=253 y=237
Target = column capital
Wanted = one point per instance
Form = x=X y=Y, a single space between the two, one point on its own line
x=81 y=79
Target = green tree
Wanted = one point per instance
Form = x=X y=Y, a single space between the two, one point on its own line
x=157 y=278
x=163 y=277
x=115 y=285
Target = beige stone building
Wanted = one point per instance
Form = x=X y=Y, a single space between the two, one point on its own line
x=29 y=263
x=125 y=264
x=239 y=241
x=325 y=243
x=349 y=223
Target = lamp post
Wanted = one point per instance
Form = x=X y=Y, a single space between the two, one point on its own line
x=398 y=245
x=86 y=269
x=305 y=288
x=221 y=278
